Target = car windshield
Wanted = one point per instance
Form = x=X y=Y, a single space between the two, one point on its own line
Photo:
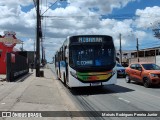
x=151 y=67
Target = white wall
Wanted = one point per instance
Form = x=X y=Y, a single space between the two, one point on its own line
x=158 y=60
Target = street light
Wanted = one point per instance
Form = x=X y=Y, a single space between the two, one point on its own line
x=120 y=49
x=39 y=34
x=51 y=6
x=38 y=42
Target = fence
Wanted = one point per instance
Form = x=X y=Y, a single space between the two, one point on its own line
x=16 y=66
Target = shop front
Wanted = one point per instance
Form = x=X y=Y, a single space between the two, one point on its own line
x=7 y=43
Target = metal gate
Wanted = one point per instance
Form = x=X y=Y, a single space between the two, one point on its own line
x=16 y=66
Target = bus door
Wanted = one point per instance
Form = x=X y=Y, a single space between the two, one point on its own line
x=66 y=63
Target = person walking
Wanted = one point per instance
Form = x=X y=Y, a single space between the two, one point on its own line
x=32 y=64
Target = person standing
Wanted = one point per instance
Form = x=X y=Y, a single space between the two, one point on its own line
x=32 y=64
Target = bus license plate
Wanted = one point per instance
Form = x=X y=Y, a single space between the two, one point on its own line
x=96 y=83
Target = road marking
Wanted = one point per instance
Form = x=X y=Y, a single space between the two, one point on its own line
x=124 y=100
x=3 y=103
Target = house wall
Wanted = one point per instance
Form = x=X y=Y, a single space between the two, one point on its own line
x=158 y=60
x=4 y=49
x=143 y=59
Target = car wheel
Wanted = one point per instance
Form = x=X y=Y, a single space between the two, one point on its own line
x=146 y=82
x=128 y=80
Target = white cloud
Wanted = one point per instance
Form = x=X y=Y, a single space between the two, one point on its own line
x=148 y=18
x=27 y=45
x=77 y=18
x=103 y=6
x=11 y=3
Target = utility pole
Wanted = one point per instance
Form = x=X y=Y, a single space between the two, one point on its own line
x=137 y=50
x=22 y=45
x=42 y=51
x=44 y=55
x=41 y=40
x=38 y=42
x=120 y=50
x=34 y=54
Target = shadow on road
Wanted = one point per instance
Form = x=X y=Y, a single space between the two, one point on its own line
x=109 y=89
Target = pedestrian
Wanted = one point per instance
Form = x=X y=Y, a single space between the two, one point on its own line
x=32 y=64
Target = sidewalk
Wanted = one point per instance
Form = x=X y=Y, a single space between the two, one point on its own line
x=36 y=94
x=2 y=77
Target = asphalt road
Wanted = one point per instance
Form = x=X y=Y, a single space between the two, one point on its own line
x=120 y=97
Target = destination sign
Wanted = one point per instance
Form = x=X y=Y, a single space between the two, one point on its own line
x=90 y=39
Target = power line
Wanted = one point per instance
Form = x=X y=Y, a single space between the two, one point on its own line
x=49 y=7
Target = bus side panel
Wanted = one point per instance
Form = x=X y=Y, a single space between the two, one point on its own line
x=113 y=79
x=57 y=69
x=62 y=70
x=73 y=82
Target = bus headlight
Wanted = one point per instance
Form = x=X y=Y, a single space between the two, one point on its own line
x=73 y=74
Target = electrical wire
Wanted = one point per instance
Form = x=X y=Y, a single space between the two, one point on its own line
x=49 y=7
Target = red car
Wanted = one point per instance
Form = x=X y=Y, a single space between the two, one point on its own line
x=146 y=73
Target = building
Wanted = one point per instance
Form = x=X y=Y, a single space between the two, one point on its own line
x=144 y=55
x=7 y=43
x=30 y=55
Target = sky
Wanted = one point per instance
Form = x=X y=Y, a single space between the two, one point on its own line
x=131 y=18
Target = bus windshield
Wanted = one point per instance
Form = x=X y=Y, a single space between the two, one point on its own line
x=91 y=55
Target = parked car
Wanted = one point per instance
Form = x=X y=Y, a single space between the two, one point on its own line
x=120 y=70
x=146 y=73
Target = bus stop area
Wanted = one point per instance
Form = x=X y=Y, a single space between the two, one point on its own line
x=31 y=93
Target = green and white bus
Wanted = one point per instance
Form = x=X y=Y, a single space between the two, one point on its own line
x=86 y=60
